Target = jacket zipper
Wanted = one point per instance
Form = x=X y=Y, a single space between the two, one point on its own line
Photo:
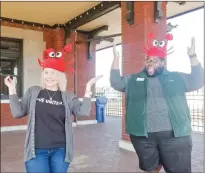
x=145 y=107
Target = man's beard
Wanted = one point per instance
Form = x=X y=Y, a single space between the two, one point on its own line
x=157 y=71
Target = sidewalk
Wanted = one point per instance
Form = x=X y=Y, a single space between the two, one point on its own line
x=96 y=150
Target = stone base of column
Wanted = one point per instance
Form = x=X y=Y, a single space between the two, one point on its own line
x=126 y=145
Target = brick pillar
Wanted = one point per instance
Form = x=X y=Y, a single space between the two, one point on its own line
x=58 y=44
x=134 y=36
x=86 y=68
x=85 y=71
x=69 y=57
x=58 y=38
x=48 y=37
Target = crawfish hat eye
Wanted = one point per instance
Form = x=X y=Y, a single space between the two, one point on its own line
x=55 y=60
x=58 y=54
x=162 y=43
x=155 y=43
x=52 y=54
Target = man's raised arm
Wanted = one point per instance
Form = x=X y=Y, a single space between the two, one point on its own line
x=194 y=80
x=117 y=81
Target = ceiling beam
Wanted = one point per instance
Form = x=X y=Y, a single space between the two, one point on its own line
x=93 y=13
x=180 y=2
x=23 y=22
x=99 y=38
x=93 y=34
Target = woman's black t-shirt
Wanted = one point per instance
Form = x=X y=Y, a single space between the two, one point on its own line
x=50 y=120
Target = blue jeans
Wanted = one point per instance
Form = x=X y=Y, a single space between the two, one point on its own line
x=48 y=161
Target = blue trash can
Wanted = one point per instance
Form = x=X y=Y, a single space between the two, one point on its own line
x=100 y=109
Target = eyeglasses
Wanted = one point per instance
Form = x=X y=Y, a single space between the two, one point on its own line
x=150 y=61
x=153 y=61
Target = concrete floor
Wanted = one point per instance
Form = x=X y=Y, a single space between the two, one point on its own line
x=96 y=150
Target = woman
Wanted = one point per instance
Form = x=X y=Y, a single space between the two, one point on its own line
x=49 y=139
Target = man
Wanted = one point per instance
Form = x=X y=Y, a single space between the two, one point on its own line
x=157 y=115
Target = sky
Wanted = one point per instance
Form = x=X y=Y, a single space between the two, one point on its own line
x=104 y=60
x=189 y=25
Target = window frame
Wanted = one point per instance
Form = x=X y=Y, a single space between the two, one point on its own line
x=19 y=62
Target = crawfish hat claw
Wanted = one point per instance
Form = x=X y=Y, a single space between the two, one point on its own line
x=158 y=47
x=56 y=60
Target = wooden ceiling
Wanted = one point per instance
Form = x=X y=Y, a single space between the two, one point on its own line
x=61 y=12
x=45 y=12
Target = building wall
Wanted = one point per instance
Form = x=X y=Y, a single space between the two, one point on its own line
x=35 y=40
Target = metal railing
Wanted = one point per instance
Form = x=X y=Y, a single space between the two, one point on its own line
x=195 y=102
x=196 y=106
x=114 y=104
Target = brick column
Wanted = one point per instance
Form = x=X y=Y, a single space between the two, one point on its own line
x=134 y=36
x=58 y=39
x=85 y=71
x=69 y=57
x=58 y=44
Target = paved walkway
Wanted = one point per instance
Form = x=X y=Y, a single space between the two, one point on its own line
x=96 y=150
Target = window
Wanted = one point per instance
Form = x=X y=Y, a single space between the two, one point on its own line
x=11 y=64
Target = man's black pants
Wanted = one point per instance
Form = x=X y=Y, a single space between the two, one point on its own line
x=173 y=153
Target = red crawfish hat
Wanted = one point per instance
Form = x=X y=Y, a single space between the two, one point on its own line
x=158 y=47
x=55 y=60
